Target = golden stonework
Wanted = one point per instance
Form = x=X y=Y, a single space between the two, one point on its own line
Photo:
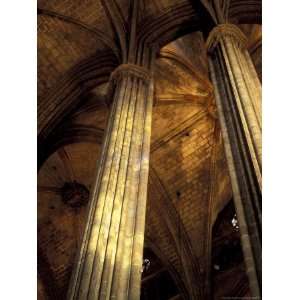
x=224 y=30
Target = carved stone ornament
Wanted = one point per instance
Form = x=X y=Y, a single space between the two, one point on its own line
x=122 y=71
x=225 y=30
x=130 y=69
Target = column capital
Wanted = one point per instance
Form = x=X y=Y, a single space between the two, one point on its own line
x=130 y=69
x=225 y=30
x=122 y=71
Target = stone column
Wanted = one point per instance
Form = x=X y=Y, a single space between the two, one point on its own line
x=238 y=98
x=110 y=259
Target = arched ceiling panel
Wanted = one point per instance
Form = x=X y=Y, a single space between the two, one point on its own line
x=90 y=12
x=61 y=46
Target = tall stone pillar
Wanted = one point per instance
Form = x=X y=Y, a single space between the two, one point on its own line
x=110 y=259
x=238 y=98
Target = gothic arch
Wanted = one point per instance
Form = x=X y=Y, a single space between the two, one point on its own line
x=103 y=38
x=65 y=96
x=171 y=24
x=175 y=22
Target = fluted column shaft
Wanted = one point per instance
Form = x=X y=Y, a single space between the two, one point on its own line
x=110 y=260
x=245 y=84
x=238 y=98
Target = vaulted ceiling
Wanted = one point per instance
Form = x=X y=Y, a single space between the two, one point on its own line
x=78 y=47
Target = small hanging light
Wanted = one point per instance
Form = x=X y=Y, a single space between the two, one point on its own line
x=146 y=265
x=235 y=222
